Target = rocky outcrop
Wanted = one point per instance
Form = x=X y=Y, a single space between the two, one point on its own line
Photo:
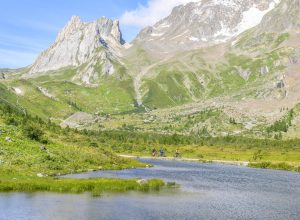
x=91 y=44
x=243 y=73
x=280 y=84
x=46 y=93
x=78 y=119
x=2 y=76
x=264 y=70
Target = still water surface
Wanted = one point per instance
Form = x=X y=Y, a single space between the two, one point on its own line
x=208 y=191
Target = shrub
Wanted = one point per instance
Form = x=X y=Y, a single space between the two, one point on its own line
x=93 y=144
x=33 y=132
x=11 y=121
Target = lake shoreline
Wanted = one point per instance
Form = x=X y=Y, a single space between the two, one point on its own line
x=207 y=191
x=228 y=162
x=286 y=166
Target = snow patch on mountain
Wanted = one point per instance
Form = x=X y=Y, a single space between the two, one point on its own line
x=202 y=23
x=253 y=17
x=194 y=38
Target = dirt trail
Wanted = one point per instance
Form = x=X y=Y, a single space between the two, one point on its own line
x=237 y=163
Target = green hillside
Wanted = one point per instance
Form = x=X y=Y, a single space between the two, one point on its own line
x=32 y=151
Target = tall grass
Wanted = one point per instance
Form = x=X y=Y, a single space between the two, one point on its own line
x=95 y=186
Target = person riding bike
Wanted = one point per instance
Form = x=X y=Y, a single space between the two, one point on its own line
x=177 y=153
x=154 y=152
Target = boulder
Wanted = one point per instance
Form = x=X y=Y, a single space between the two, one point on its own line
x=39 y=175
x=142 y=181
x=8 y=139
x=264 y=70
x=43 y=148
x=280 y=84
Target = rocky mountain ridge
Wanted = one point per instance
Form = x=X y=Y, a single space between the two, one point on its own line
x=203 y=23
x=94 y=48
x=84 y=45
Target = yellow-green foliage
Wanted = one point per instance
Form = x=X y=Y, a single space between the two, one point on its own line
x=18 y=183
x=276 y=166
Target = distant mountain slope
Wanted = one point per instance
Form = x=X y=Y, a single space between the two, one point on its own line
x=203 y=23
x=253 y=64
x=182 y=62
x=286 y=17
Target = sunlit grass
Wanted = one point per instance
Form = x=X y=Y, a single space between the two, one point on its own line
x=19 y=183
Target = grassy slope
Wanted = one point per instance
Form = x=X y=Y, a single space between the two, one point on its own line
x=61 y=152
x=195 y=76
x=215 y=121
x=110 y=96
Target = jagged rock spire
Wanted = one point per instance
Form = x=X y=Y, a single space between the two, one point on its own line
x=79 y=42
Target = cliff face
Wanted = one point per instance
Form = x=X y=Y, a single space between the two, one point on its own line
x=95 y=43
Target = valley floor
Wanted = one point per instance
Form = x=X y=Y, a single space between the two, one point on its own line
x=239 y=163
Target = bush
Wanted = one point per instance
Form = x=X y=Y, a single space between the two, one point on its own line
x=257 y=155
x=11 y=121
x=93 y=144
x=33 y=132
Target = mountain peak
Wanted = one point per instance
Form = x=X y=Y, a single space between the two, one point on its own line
x=75 y=19
x=80 y=42
x=72 y=26
x=198 y=24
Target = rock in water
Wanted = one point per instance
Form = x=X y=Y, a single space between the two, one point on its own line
x=142 y=181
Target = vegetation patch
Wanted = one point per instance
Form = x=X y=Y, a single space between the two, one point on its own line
x=276 y=166
x=17 y=183
x=33 y=153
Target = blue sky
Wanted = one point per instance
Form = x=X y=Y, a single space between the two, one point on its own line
x=27 y=27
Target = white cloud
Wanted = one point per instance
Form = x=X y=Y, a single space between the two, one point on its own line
x=151 y=13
